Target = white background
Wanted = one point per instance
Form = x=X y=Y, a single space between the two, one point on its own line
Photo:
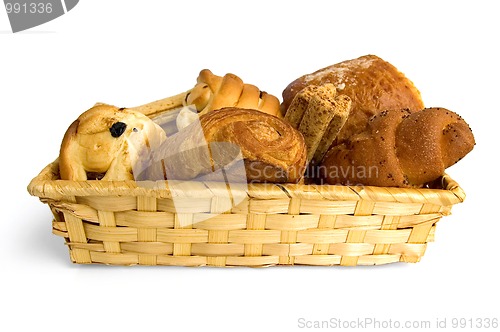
x=131 y=52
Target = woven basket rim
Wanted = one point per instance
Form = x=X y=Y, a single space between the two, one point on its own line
x=46 y=185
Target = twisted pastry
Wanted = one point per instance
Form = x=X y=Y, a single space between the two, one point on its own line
x=270 y=148
x=213 y=92
x=400 y=149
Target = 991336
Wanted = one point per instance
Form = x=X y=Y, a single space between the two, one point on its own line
x=28 y=8
x=474 y=323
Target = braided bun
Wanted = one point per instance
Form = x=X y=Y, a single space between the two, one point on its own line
x=213 y=92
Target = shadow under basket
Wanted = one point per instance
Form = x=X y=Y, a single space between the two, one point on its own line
x=195 y=224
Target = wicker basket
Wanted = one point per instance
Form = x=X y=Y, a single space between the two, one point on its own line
x=128 y=223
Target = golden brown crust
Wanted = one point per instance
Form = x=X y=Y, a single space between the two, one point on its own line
x=272 y=150
x=92 y=145
x=66 y=171
x=400 y=149
x=264 y=139
x=213 y=92
x=437 y=136
x=373 y=85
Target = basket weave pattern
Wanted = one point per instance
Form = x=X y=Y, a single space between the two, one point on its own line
x=124 y=224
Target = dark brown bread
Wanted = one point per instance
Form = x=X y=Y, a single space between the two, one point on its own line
x=400 y=149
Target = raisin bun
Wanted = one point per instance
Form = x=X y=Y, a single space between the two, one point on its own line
x=106 y=143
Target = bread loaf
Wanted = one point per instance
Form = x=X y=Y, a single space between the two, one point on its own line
x=372 y=84
x=400 y=149
x=270 y=149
